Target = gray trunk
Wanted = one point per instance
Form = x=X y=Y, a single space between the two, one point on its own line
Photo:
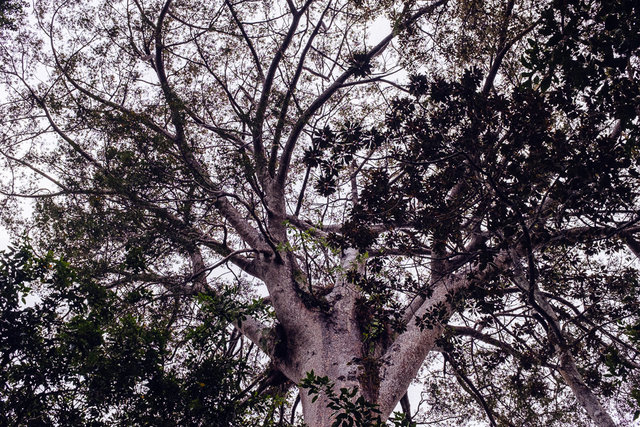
x=327 y=341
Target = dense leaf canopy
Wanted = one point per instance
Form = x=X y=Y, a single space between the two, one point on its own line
x=75 y=353
x=266 y=203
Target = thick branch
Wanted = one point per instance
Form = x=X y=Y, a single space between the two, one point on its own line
x=403 y=359
x=567 y=366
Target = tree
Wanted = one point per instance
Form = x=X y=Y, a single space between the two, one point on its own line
x=480 y=216
x=8 y=12
x=85 y=355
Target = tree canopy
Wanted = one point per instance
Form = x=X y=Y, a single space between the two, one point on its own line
x=260 y=206
x=85 y=355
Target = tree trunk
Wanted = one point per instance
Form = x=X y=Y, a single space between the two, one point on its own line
x=335 y=351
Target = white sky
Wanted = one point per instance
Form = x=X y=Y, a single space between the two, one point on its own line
x=4 y=238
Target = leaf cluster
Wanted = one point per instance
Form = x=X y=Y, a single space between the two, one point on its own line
x=75 y=353
x=349 y=408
